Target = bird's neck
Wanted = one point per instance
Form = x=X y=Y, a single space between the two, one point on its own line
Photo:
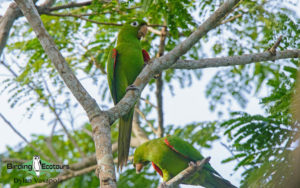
x=127 y=37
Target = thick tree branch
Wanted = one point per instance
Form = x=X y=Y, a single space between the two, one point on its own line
x=235 y=60
x=166 y=61
x=185 y=174
x=6 y=22
x=98 y=118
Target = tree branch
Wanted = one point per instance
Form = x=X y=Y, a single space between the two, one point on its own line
x=185 y=174
x=83 y=18
x=159 y=86
x=272 y=50
x=12 y=160
x=98 y=118
x=11 y=14
x=235 y=60
x=148 y=122
x=70 y=5
x=65 y=177
x=48 y=142
x=148 y=102
x=231 y=152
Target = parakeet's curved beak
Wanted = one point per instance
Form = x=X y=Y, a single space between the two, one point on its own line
x=138 y=167
x=142 y=31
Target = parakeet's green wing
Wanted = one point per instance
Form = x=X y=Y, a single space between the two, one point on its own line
x=184 y=148
x=111 y=65
x=187 y=150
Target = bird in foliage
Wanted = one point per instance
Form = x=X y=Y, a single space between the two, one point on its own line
x=125 y=62
x=170 y=155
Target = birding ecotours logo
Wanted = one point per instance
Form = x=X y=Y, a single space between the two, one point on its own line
x=36 y=163
x=37 y=167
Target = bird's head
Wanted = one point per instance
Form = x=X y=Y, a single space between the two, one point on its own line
x=139 y=160
x=136 y=28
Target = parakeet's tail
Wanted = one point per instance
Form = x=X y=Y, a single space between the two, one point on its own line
x=209 y=180
x=125 y=125
x=219 y=182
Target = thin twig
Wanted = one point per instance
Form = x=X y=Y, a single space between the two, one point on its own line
x=70 y=5
x=148 y=102
x=148 y=122
x=231 y=18
x=272 y=50
x=65 y=177
x=156 y=25
x=12 y=160
x=51 y=149
x=88 y=132
x=231 y=152
x=83 y=18
x=155 y=31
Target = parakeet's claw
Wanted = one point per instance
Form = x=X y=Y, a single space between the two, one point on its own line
x=156 y=76
x=163 y=185
x=131 y=87
x=192 y=163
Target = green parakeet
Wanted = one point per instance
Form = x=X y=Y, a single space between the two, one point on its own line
x=125 y=62
x=170 y=155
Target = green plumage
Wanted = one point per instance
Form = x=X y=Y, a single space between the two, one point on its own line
x=124 y=64
x=172 y=155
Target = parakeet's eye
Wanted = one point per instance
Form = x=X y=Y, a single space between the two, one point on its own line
x=135 y=24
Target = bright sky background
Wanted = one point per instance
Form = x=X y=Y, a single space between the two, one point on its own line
x=188 y=105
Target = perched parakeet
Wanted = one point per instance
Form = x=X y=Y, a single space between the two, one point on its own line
x=125 y=62
x=170 y=155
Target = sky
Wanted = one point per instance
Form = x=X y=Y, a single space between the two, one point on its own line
x=188 y=105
